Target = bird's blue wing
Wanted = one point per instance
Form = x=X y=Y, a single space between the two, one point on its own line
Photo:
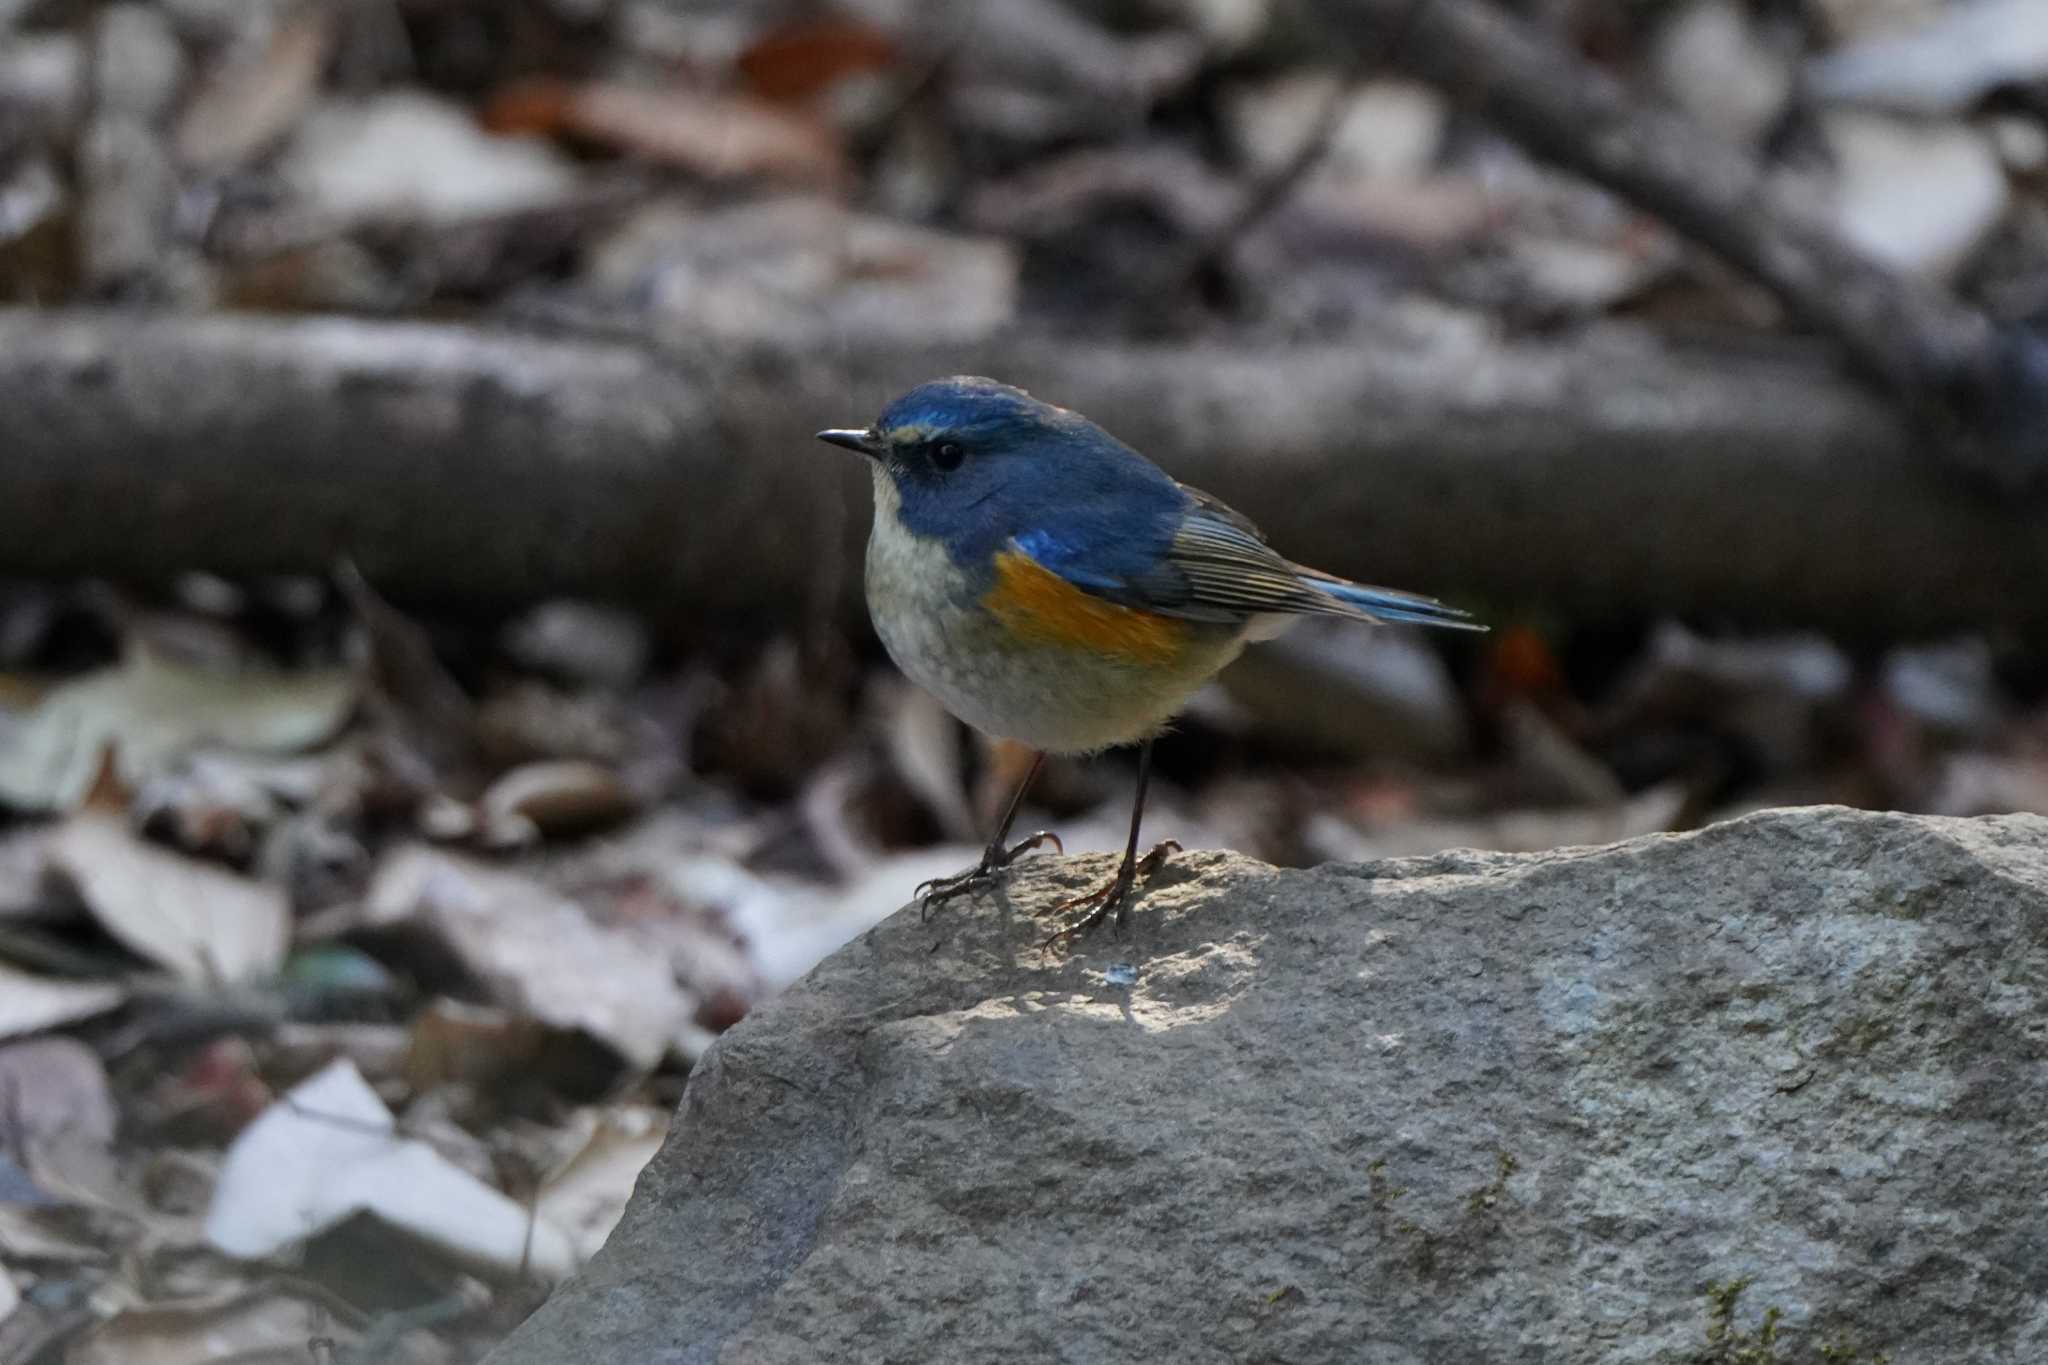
x=1199 y=559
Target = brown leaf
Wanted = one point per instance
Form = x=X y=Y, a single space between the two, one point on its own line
x=63 y=1234
x=537 y=107
x=717 y=136
x=797 y=62
x=472 y=1044
x=1520 y=663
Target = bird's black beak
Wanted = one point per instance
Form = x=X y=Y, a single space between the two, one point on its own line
x=860 y=442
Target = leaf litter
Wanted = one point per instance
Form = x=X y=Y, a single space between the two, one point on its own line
x=149 y=710
x=221 y=880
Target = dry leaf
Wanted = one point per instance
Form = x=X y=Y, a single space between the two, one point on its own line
x=586 y=1194
x=787 y=931
x=924 y=746
x=1550 y=765
x=1951 y=687
x=416 y=702
x=297 y=1050
x=408 y=156
x=1724 y=69
x=149 y=710
x=801 y=266
x=1919 y=198
x=712 y=135
x=24 y=856
x=250 y=105
x=211 y=1096
x=54 y=1090
x=538 y=954
x=584 y=644
x=1388 y=129
x=61 y=1235
x=270 y=1325
x=328 y=1152
x=529 y=108
x=1955 y=57
x=29 y=1004
x=451 y=1040
x=1970 y=783
x=799 y=61
x=562 y=796
x=203 y=922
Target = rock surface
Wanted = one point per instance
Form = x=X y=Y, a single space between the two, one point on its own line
x=1616 y=1104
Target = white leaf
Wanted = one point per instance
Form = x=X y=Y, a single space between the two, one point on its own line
x=29 y=1004
x=1963 y=52
x=407 y=155
x=1918 y=197
x=203 y=922
x=328 y=1152
x=538 y=953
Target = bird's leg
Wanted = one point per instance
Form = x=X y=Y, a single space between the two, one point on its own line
x=1116 y=897
x=995 y=857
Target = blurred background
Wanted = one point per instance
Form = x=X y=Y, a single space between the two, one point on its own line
x=434 y=694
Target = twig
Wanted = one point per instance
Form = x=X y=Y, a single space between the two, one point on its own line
x=1279 y=185
x=380 y=1342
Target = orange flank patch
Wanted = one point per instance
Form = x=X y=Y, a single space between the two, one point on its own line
x=1043 y=608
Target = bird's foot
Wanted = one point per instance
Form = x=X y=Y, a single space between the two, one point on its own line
x=983 y=874
x=1113 y=899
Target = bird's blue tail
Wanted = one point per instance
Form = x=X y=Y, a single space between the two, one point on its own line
x=1390 y=604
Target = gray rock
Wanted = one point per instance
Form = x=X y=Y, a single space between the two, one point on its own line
x=1629 y=1103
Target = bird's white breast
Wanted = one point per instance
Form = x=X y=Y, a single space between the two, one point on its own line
x=926 y=609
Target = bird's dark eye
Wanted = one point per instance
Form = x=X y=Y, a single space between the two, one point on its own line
x=948 y=455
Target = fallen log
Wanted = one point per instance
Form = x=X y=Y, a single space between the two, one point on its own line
x=1610 y=475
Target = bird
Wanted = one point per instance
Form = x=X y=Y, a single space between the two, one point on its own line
x=1050 y=585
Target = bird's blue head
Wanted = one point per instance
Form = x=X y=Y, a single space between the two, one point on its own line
x=975 y=463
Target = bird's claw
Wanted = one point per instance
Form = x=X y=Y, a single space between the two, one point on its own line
x=1102 y=902
x=939 y=890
